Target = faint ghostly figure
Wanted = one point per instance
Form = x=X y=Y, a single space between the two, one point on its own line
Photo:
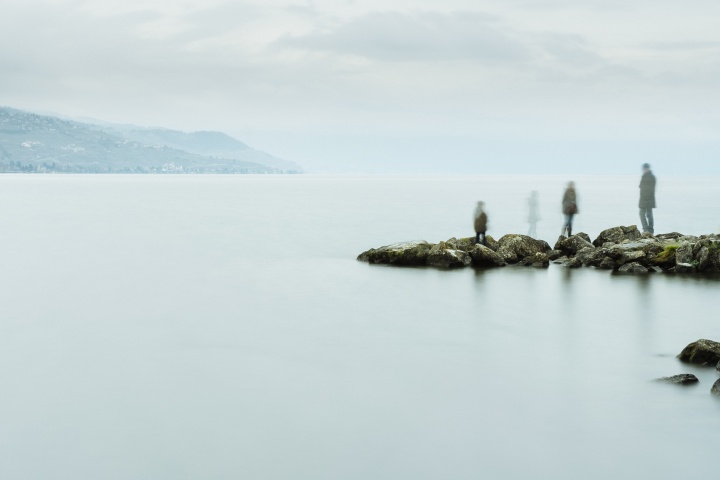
x=480 y=220
x=569 y=208
x=647 y=200
x=533 y=213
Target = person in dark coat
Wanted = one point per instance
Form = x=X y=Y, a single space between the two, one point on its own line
x=480 y=221
x=569 y=207
x=647 y=200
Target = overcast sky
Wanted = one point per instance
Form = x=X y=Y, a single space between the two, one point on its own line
x=585 y=86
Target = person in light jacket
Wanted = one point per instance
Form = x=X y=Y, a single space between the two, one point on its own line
x=569 y=207
x=480 y=220
x=647 y=200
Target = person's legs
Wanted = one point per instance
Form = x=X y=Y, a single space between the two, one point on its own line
x=484 y=239
x=477 y=237
x=650 y=220
x=644 y=219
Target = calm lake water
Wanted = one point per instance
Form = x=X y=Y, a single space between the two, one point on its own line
x=219 y=327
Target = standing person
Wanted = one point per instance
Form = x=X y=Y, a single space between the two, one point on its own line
x=533 y=213
x=569 y=207
x=480 y=221
x=647 y=200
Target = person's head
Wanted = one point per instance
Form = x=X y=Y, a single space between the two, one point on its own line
x=480 y=204
x=534 y=194
x=646 y=167
x=571 y=185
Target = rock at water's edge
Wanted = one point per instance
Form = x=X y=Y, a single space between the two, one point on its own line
x=405 y=254
x=682 y=379
x=632 y=267
x=702 y=352
x=715 y=390
x=483 y=256
x=444 y=257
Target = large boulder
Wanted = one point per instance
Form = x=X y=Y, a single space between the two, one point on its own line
x=702 y=352
x=443 y=255
x=483 y=256
x=513 y=248
x=617 y=235
x=570 y=246
x=404 y=253
x=682 y=379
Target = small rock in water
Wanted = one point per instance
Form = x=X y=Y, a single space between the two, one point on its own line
x=715 y=390
x=682 y=379
x=702 y=352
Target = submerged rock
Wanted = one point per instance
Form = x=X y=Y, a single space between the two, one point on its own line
x=682 y=379
x=701 y=352
x=715 y=390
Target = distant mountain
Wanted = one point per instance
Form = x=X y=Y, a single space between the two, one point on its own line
x=40 y=143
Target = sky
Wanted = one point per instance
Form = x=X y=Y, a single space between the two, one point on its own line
x=422 y=86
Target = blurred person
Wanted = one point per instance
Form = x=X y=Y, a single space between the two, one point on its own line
x=480 y=221
x=569 y=207
x=533 y=213
x=647 y=199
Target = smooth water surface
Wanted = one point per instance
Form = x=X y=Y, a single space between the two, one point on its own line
x=165 y=327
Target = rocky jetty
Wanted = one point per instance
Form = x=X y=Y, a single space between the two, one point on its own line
x=621 y=249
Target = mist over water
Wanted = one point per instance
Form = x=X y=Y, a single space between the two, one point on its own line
x=163 y=327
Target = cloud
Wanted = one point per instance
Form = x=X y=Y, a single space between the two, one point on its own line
x=419 y=36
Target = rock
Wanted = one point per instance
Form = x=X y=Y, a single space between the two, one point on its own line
x=405 y=253
x=631 y=256
x=606 y=263
x=513 y=248
x=633 y=267
x=570 y=246
x=715 y=390
x=717 y=367
x=586 y=256
x=684 y=268
x=617 y=235
x=684 y=253
x=483 y=256
x=468 y=243
x=669 y=236
x=443 y=255
x=708 y=256
x=574 y=262
x=539 y=260
x=702 y=352
x=682 y=379
x=584 y=236
x=561 y=260
x=554 y=254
